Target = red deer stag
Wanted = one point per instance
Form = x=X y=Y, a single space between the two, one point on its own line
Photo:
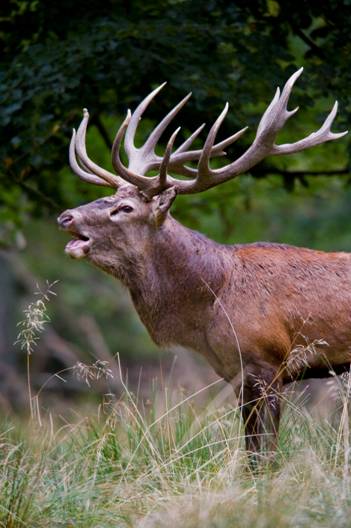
x=249 y=309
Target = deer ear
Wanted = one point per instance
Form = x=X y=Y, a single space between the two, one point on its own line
x=162 y=203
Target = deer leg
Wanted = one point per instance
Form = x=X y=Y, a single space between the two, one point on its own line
x=252 y=418
x=272 y=416
x=252 y=413
x=260 y=408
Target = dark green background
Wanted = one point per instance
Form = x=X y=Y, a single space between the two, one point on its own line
x=56 y=57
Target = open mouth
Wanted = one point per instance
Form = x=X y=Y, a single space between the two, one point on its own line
x=78 y=247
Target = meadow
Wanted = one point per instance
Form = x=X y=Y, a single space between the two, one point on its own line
x=129 y=463
x=119 y=457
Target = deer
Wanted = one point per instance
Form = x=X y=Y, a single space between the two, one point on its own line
x=249 y=309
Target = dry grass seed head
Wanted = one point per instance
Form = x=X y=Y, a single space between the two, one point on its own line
x=301 y=355
x=98 y=370
x=35 y=318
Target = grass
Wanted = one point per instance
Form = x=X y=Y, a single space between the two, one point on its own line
x=130 y=463
x=124 y=466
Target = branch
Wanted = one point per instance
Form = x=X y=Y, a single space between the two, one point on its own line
x=300 y=173
x=96 y=121
x=307 y=40
x=33 y=192
x=287 y=175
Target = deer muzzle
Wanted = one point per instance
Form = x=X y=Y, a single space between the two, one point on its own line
x=79 y=246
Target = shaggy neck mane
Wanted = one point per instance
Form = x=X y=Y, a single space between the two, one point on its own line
x=180 y=270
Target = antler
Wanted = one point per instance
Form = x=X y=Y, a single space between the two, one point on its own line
x=263 y=145
x=82 y=165
x=143 y=159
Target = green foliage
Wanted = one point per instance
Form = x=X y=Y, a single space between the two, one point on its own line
x=58 y=57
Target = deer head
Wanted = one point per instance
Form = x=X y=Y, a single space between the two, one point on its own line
x=113 y=231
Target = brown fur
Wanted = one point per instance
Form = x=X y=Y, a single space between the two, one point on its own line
x=254 y=305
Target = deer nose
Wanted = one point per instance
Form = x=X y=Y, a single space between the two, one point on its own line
x=65 y=220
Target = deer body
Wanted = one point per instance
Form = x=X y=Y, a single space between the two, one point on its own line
x=264 y=314
x=260 y=300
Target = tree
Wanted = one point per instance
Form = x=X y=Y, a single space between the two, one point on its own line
x=55 y=58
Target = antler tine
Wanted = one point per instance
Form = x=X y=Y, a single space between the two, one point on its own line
x=83 y=174
x=229 y=140
x=139 y=180
x=276 y=115
x=179 y=158
x=80 y=148
x=135 y=118
x=322 y=135
x=165 y=161
x=189 y=140
x=203 y=168
x=155 y=135
x=177 y=163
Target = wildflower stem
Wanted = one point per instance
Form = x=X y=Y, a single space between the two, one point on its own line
x=29 y=386
x=33 y=324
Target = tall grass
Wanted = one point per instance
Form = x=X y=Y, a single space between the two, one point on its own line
x=124 y=466
x=129 y=464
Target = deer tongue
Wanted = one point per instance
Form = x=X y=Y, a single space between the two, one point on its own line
x=77 y=248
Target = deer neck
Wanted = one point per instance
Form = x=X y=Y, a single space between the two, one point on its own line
x=176 y=279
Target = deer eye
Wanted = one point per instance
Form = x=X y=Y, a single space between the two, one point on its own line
x=122 y=208
x=126 y=208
